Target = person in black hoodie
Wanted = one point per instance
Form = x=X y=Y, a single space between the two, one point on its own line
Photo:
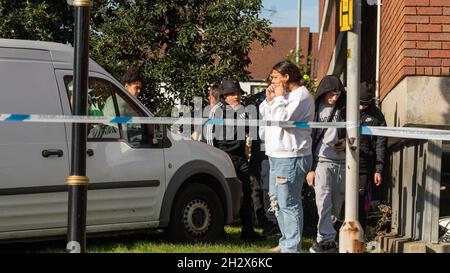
x=372 y=154
x=328 y=171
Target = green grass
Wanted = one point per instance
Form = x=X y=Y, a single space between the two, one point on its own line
x=155 y=242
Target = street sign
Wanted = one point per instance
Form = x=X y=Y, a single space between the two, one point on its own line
x=346 y=15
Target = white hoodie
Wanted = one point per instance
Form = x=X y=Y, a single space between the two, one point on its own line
x=297 y=105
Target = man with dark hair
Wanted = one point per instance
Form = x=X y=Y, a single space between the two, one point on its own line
x=132 y=81
x=372 y=153
x=214 y=103
x=214 y=93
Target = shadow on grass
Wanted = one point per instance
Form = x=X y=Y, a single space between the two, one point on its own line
x=154 y=241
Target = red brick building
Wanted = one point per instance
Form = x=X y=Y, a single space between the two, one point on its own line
x=263 y=58
x=414 y=90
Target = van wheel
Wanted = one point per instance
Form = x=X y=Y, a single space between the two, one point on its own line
x=197 y=215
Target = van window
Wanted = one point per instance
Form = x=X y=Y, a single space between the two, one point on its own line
x=105 y=99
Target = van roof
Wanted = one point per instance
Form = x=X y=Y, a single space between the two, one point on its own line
x=61 y=57
x=61 y=54
x=17 y=43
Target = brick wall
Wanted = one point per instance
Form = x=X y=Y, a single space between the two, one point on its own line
x=415 y=40
x=305 y=37
x=264 y=58
x=328 y=40
x=314 y=45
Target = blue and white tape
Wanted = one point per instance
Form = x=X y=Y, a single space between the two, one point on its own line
x=399 y=132
x=406 y=132
x=164 y=120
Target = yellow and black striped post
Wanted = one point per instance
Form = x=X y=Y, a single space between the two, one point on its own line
x=77 y=182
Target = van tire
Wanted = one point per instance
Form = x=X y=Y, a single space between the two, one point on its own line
x=197 y=215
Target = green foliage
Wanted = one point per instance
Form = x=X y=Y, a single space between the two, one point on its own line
x=184 y=45
x=36 y=20
x=305 y=69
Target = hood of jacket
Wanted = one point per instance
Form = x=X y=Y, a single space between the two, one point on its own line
x=330 y=83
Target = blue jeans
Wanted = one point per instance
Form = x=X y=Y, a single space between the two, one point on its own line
x=287 y=176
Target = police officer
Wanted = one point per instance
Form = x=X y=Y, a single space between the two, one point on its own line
x=231 y=139
x=372 y=155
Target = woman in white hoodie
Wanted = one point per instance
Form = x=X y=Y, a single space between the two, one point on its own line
x=288 y=149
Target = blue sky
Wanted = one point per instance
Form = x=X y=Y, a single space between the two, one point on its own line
x=285 y=14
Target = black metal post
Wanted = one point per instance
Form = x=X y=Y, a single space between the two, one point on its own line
x=77 y=181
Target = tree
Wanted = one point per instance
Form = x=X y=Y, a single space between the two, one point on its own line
x=185 y=45
x=305 y=69
x=182 y=44
x=36 y=20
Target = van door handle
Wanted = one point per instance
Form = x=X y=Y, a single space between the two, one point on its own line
x=50 y=152
x=90 y=152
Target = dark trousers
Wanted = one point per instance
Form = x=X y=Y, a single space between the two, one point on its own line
x=246 y=212
x=365 y=181
x=260 y=194
x=258 y=201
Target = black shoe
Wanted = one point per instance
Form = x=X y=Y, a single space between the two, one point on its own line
x=252 y=236
x=270 y=229
x=328 y=247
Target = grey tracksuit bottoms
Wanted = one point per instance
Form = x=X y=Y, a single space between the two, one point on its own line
x=329 y=187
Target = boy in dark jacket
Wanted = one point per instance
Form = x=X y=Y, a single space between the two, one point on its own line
x=372 y=151
x=328 y=172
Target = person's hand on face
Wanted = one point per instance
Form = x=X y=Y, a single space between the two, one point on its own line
x=280 y=83
x=280 y=90
x=270 y=92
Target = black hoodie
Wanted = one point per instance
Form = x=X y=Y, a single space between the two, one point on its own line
x=329 y=83
x=372 y=153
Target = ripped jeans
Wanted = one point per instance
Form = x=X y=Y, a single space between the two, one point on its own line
x=287 y=176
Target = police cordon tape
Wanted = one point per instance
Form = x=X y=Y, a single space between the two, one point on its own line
x=164 y=120
x=398 y=132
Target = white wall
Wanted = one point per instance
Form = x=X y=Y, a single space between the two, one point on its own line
x=257 y=86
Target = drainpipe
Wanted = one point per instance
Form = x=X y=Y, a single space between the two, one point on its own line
x=299 y=27
x=377 y=70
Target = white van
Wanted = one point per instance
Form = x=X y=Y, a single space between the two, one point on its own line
x=140 y=177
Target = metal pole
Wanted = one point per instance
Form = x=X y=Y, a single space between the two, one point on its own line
x=377 y=70
x=77 y=181
x=351 y=234
x=299 y=26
